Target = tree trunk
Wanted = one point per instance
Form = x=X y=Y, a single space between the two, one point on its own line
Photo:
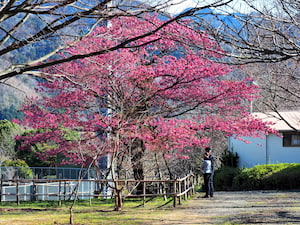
x=137 y=152
x=168 y=168
x=118 y=198
x=71 y=215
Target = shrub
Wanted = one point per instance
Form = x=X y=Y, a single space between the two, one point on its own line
x=230 y=158
x=224 y=177
x=22 y=170
x=273 y=176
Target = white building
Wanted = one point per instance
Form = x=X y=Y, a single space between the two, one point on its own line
x=272 y=149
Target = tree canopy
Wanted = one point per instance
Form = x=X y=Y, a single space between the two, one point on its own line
x=8 y=131
x=160 y=95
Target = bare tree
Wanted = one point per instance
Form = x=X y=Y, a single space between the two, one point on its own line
x=266 y=39
x=32 y=32
x=279 y=83
x=270 y=33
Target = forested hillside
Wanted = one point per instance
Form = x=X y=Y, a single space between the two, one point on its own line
x=14 y=90
x=12 y=94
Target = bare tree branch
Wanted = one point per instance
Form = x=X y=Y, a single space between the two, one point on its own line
x=51 y=24
x=268 y=34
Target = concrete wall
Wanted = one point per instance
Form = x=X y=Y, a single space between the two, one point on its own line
x=263 y=151
x=280 y=154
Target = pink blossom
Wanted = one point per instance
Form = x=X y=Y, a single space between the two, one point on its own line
x=98 y=104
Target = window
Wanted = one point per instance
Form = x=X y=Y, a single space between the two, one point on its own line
x=291 y=139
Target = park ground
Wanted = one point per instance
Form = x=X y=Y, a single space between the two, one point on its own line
x=225 y=208
x=248 y=207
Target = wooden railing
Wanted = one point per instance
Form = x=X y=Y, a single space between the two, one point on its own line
x=66 y=189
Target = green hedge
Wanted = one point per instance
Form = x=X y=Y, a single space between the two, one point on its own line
x=261 y=177
x=224 y=176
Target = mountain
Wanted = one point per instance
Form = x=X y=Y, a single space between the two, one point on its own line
x=12 y=94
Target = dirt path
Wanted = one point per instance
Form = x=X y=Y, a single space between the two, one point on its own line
x=253 y=207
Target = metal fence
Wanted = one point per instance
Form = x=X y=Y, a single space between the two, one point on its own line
x=47 y=183
x=10 y=172
x=44 y=189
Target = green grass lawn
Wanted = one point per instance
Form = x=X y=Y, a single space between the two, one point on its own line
x=99 y=212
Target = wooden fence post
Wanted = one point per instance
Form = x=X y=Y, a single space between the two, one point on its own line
x=47 y=190
x=59 y=193
x=179 y=191
x=90 y=192
x=144 y=193
x=165 y=191
x=1 y=188
x=193 y=184
x=185 y=188
x=65 y=187
x=188 y=180
x=17 y=191
x=34 y=191
x=174 y=194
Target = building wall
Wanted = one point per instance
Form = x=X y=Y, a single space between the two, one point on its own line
x=263 y=151
x=280 y=154
x=249 y=154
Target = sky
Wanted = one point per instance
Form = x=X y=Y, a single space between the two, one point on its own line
x=238 y=5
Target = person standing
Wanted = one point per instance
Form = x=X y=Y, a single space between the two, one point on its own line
x=208 y=173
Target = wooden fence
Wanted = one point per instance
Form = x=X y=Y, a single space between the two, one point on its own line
x=66 y=189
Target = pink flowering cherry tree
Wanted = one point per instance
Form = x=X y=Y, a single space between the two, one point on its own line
x=158 y=94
